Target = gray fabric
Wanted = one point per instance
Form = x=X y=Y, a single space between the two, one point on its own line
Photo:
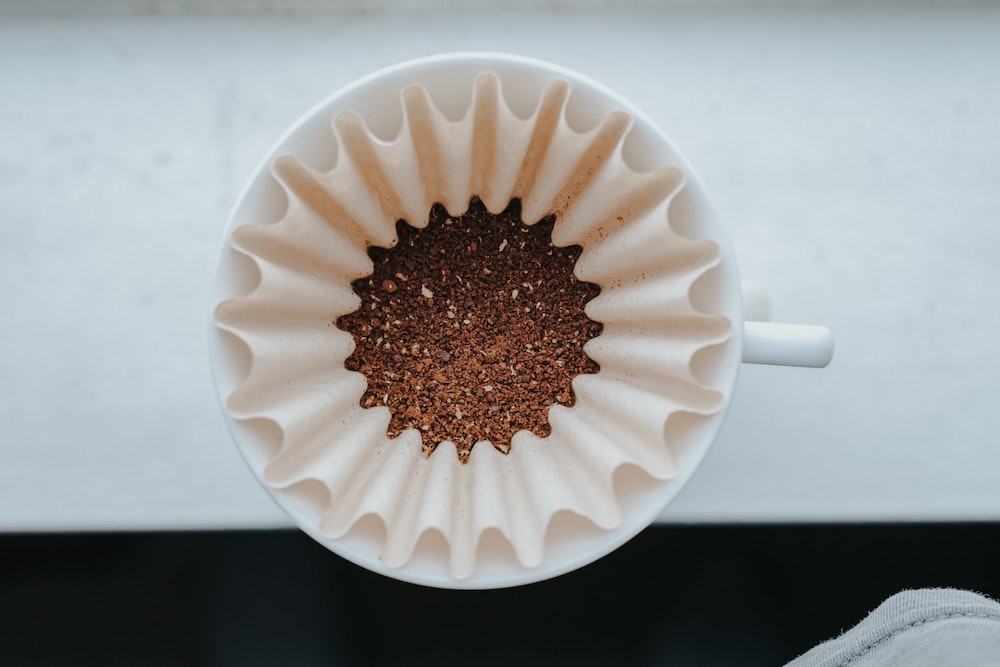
x=935 y=626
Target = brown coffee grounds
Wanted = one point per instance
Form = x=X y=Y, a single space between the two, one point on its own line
x=471 y=328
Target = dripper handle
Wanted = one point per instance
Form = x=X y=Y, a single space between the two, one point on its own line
x=780 y=344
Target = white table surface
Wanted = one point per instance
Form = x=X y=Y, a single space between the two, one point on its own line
x=853 y=154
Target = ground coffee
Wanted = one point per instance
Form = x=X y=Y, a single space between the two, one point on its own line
x=471 y=328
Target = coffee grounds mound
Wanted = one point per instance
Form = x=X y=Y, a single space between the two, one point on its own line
x=471 y=328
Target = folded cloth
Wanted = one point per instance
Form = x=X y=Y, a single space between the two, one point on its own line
x=933 y=626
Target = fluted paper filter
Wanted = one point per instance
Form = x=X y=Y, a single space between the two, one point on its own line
x=308 y=258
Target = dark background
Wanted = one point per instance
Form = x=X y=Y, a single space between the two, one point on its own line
x=698 y=595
